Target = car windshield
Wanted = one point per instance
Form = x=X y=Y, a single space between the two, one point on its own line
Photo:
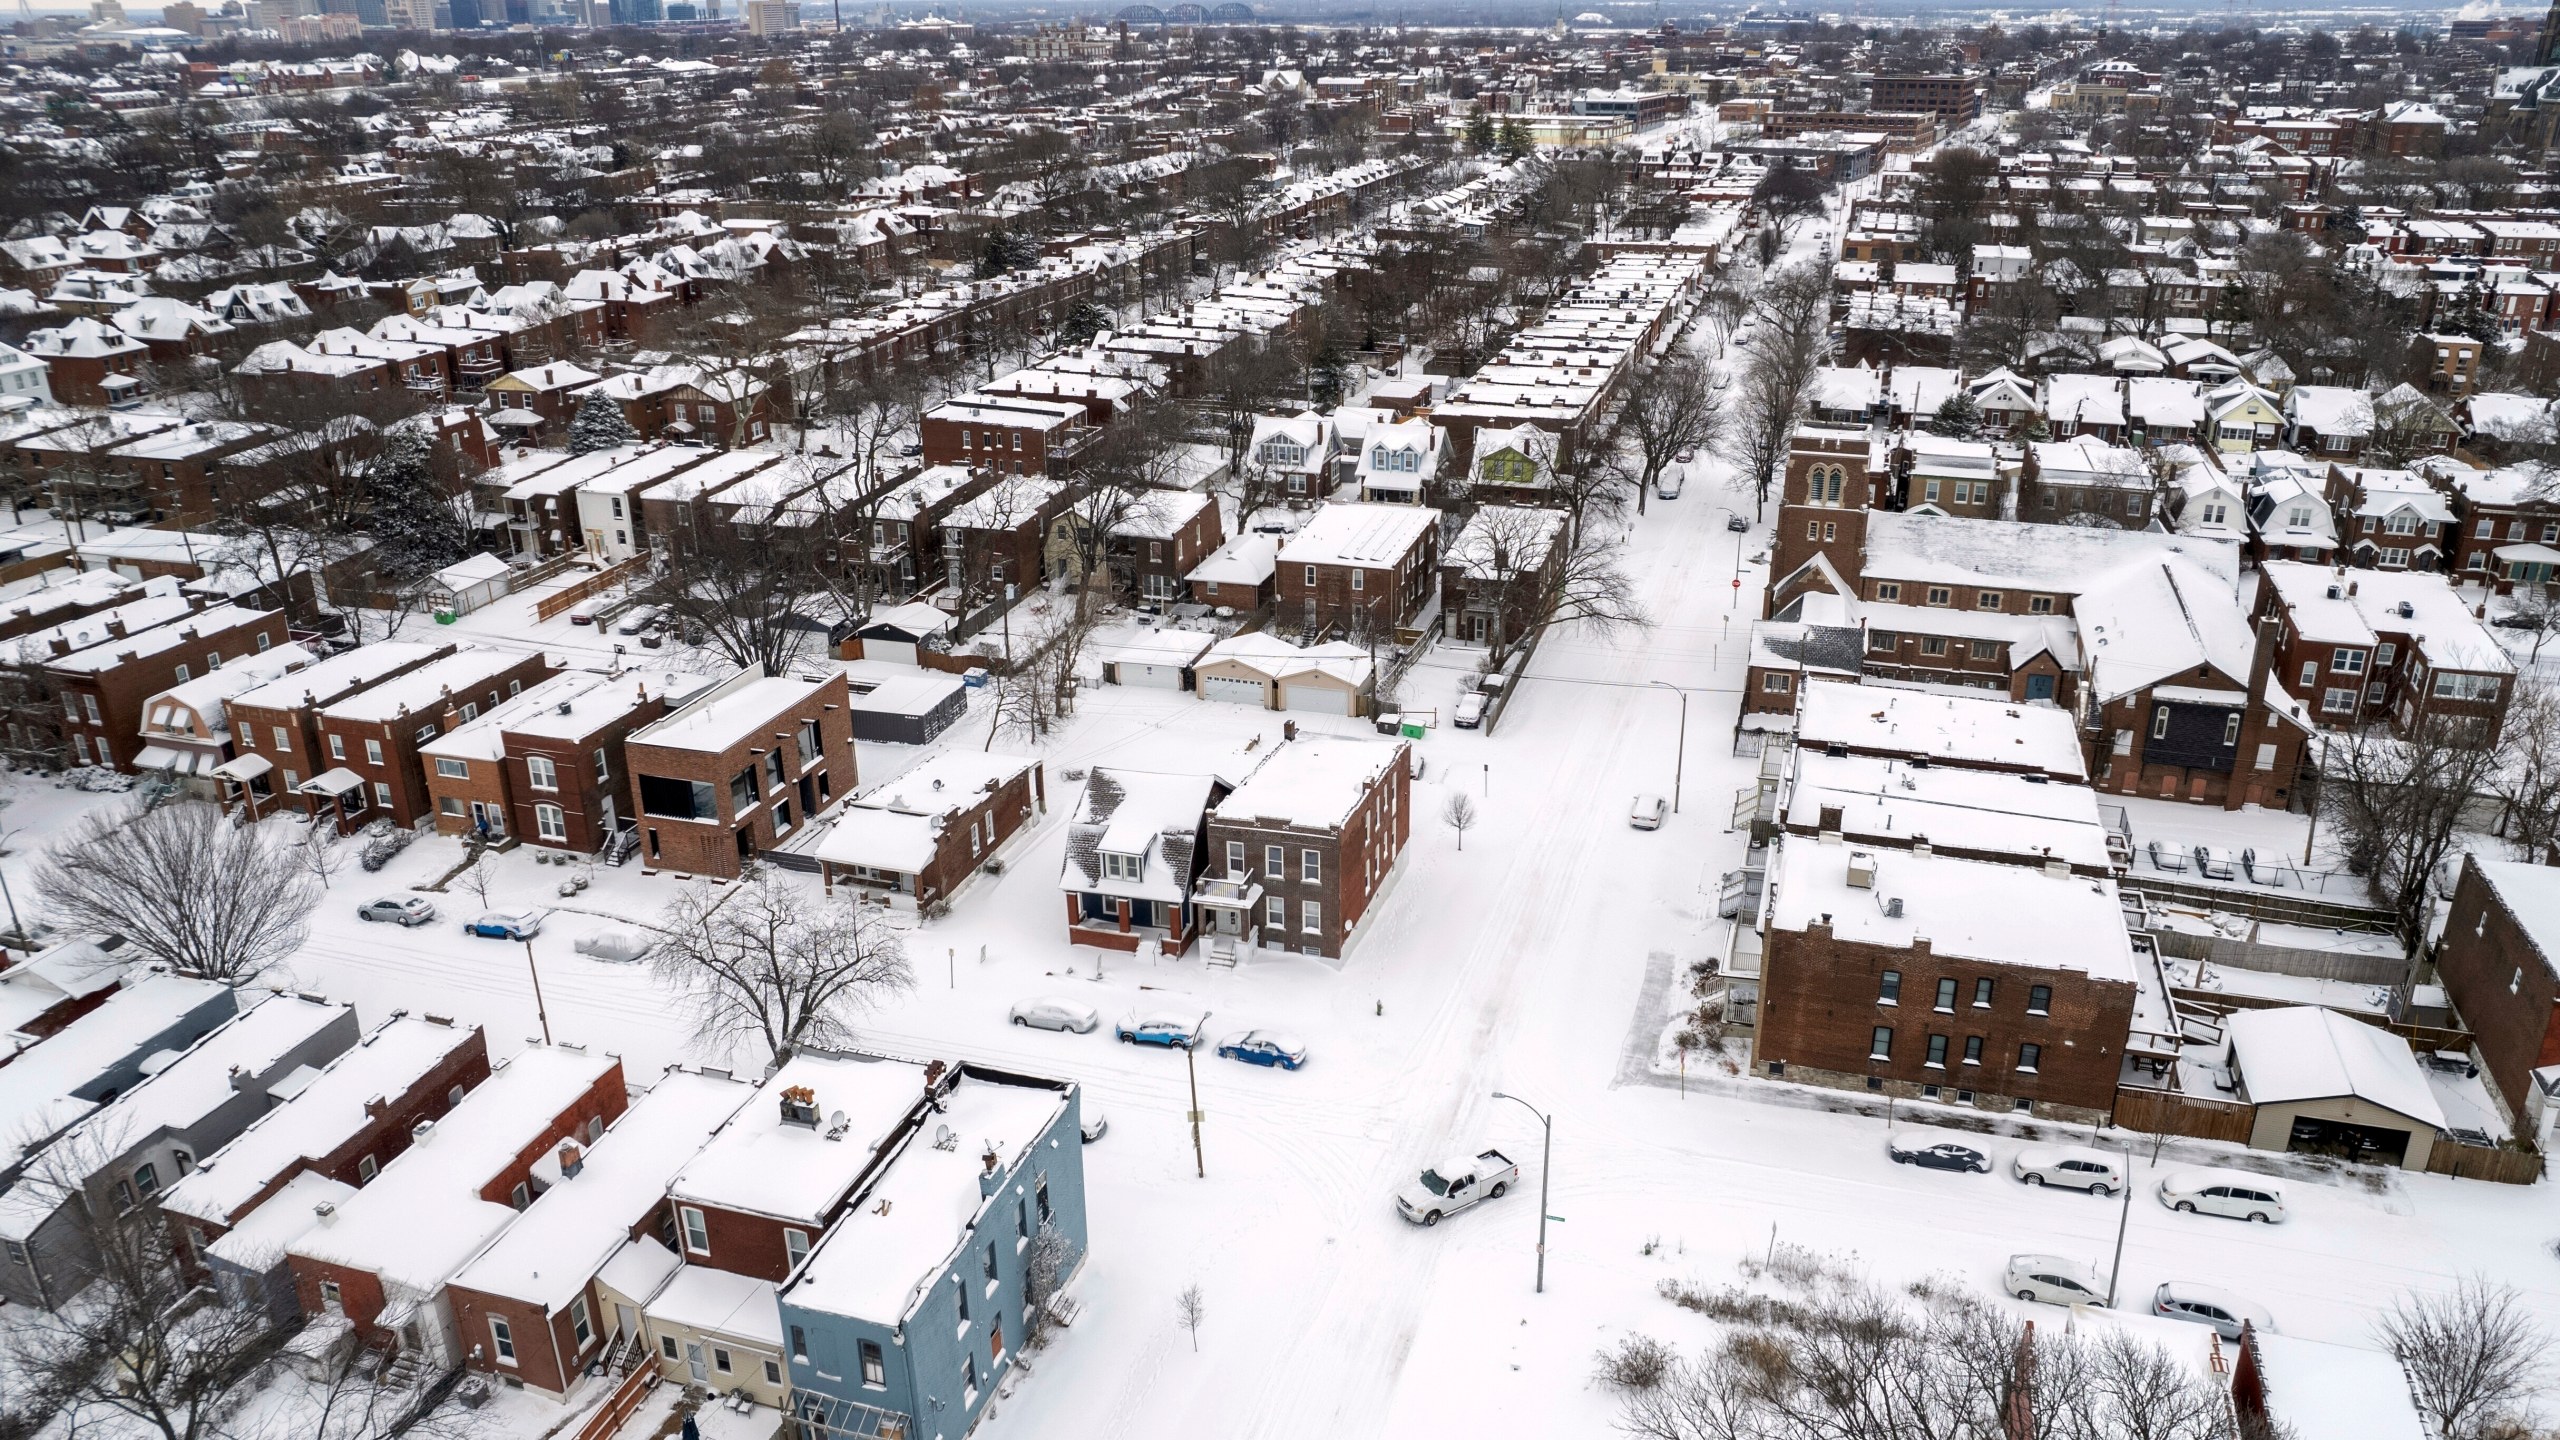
x=1432 y=1182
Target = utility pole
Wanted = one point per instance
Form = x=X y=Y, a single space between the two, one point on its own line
x=2123 y=1218
x=1199 y=1161
x=538 y=1012
x=1546 y=1165
x=1680 y=757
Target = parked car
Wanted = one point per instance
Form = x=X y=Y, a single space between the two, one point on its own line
x=1648 y=812
x=397 y=911
x=2205 y=1305
x=636 y=619
x=1264 y=1047
x=1941 y=1155
x=1171 y=1031
x=583 y=615
x=2214 y=1192
x=2165 y=857
x=505 y=924
x=1687 y=457
x=2073 y=1167
x=1470 y=714
x=619 y=945
x=2214 y=864
x=2054 y=1280
x=1736 y=524
x=1094 y=1123
x=1454 y=1184
x=1666 y=486
x=1056 y=1012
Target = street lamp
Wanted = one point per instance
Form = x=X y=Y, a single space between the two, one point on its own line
x=1546 y=1157
x=1680 y=757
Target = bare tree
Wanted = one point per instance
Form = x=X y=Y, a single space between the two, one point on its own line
x=1534 y=571
x=745 y=590
x=1189 y=1309
x=1045 y=1268
x=315 y=848
x=762 y=962
x=1459 y=814
x=2529 y=783
x=2394 y=806
x=1672 y=408
x=2473 y=1357
x=1782 y=355
x=186 y=886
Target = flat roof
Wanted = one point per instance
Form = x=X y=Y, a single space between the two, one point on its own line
x=1968 y=909
x=1958 y=729
x=761 y=1164
x=1949 y=806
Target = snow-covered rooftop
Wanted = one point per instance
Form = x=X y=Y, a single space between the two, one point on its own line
x=1312 y=784
x=2303 y=1052
x=37 y=1089
x=762 y=1164
x=1956 y=729
x=1973 y=909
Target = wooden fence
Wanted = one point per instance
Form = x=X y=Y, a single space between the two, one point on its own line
x=623 y=1402
x=551 y=607
x=2160 y=1112
x=2483 y=1162
x=2350 y=966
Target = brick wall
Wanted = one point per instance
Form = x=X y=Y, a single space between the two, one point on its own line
x=711 y=847
x=2484 y=953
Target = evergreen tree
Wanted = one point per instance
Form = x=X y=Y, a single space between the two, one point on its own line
x=1084 y=322
x=417 y=526
x=1515 y=140
x=1480 y=137
x=599 y=424
x=1959 y=417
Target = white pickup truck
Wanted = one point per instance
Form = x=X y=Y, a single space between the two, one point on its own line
x=1454 y=1184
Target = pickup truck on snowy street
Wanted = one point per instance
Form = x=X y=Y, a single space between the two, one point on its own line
x=1454 y=1184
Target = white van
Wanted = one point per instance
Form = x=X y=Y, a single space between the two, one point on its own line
x=2073 y=1167
x=2054 y=1280
x=2223 y=1192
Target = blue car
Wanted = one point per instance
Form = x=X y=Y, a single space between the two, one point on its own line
x=1172 y=1032
x=1265 y=1047
x=505 y=925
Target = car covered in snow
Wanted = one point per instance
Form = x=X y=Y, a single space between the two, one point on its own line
x=2222 y=1192
x=396 y=910
x=1056 y=1012
x=1093 y=1123
x=623 y=947
x=1264 y=1047
x=1454 y=1184
x=1161 y=1028
x=1647 y=812
x=2054 y=1280
x=2206 y=1305
x=2073 y=1167
x=505 y=924
x=1470 y=710
x=1910 y=1149
x=1666 y=486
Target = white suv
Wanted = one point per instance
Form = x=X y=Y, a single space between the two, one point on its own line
x=2241 y=1197
x=2054 y=1280
x=2073 y=1167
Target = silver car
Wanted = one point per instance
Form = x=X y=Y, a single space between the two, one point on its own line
x=393 y=909
x=2205 y=1305
x=1056 y=1012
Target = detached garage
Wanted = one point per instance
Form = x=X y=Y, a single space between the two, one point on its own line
x=1155 y=659
x=1265 y=670
x=898 y=633
x=2324 y=1084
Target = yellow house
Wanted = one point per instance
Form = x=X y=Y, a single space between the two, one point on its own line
x=2240 y=417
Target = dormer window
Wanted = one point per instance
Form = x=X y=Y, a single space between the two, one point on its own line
x=1116 y=866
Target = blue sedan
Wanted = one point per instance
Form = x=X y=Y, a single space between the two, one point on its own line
x=505 y=924
x=1265 y=1047
x=1171 y=1032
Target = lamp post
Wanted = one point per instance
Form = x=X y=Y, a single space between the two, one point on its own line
x=1546 y=1158
x=1680 y=758
x=2124 y=1218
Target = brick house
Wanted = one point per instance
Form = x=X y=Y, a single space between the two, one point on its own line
x=738 y=768
x=1359 y=567
x=921 y=835
x=382 y=1257
x=103 y=687
x=1135 y=851
x=2001 y=986
x=2366 y=646
x=999 y=537
x=1835 y=475
x=2499 y=963
x=1002 y=435
x=1300 y=849
x=759 y=1195
x=2391 y=519
x=1155 y=540
x=370 y=739
x=547 y=765
x=2508 y=526
x=88 y=362
x=528 y=1307
x=279 y=721
x=1498 y=577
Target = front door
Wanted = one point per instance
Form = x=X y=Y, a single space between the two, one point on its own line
x=2039 y=687
x=627 y=1320
x=693 y=1362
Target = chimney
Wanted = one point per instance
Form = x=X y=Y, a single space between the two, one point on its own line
x=988 y=1180
x=115 y=628
x=2262 y=659
x=1830 y=821
x=2351 y=589
x=326 y=1210
x=572 y=1159
x=1862 y=869
x=377 y=1107
x=419 y=1133
x=800 y=1107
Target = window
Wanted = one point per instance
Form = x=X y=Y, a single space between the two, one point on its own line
x=1021 y=1218
x=337 y=747
x=580 y=1324
x=2347 y=662
x=1235 y=857
x=2039 y=999
x=795 y=1248
x=1940 y=595
x=1946 y=996
x=1933 y=645
x=330 y=1299
x=1972 y=1052
x=2336 y=701
x=799 y=1345
x=811 y=748
x=969 y=1376
x=1275 y=913
x=1311 y=916
x=1040 y=1197
x=1311 y=575
x=182 y=673
x=2382 y=654
x=540 y=773
x=2310 y=673
x=2231 y=729
x=146 y=1180
x=366 y=1169
x=449 y=805
x=551 y=823
x=1359 y=579
x=2039 y=604
x=2450 y=686
x=2029 y=1055
x=2266 y=756
x=1889 y=988
x=521 y=1196
x=1310 y=866
x=1888 y=590
x=961 y=1290
x=1275 y=862
x=1776 y=683
x=697 y=1234
x=604 y=766
x=720 y=1360
x=281 y=742
x=1987 y=600
x=988 y=1264
x=772 y=1373
x=373 y=752
x=1982 y=994
x=1880 y=1045
x=2160 y=722
x=1937 y=1053
x=502 y=1337
x=875 y=1367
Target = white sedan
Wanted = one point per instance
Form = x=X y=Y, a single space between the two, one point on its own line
x=1054 y=1012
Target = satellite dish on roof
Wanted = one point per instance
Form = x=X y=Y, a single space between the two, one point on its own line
x=837 y=1124
x=945 y=1138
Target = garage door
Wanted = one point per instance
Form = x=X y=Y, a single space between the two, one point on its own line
x=1322 y=698
x=1153 y=677
x=1233 y=690
x=894 y=652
